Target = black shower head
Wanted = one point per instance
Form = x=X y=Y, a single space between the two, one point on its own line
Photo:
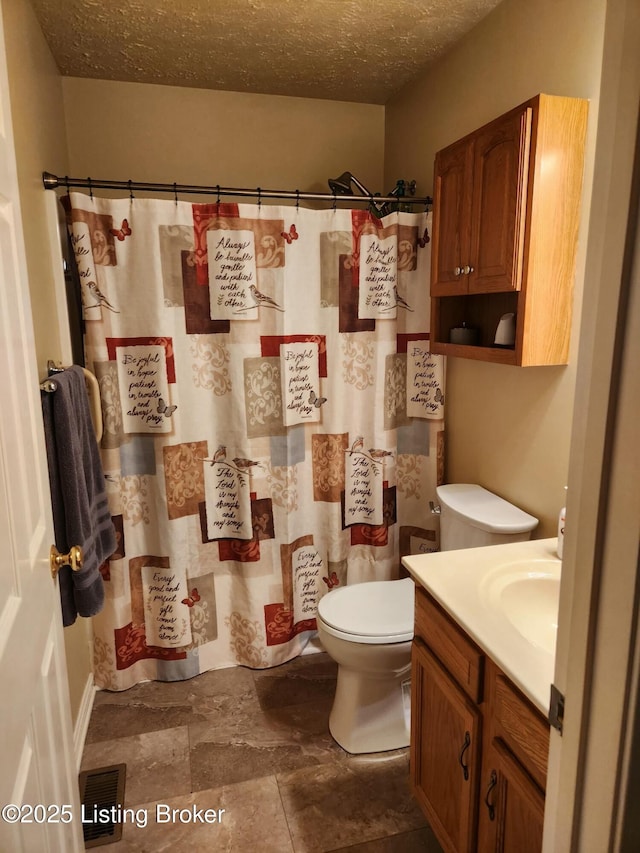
x=342 y=184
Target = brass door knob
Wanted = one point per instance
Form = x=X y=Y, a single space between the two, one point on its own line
x=57 y=560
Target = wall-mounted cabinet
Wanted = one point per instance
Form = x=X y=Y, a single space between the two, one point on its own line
x=505 y=229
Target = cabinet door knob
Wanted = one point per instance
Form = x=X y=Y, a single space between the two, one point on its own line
x=458 y=271
x=465 y=747
x=466 y=270
x=493 y=781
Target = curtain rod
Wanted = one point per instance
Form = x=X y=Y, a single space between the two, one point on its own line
x=52 y=182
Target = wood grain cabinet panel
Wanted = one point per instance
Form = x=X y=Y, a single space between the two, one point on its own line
x=445 y=752
x=512 y=808
x=521 y=728
x=500 y=161
x=458 y=654
x=479 y=748
x=452 y=224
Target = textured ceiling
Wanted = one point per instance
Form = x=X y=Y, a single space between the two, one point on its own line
x=347 y=50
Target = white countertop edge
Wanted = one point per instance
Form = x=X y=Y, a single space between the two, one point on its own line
x=452 y=578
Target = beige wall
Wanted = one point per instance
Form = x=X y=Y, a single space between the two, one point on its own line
x=195 y=136
x=40 y=138
x=508 y=428
x=40 y=141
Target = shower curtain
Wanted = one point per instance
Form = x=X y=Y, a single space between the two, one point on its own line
x=273 y=420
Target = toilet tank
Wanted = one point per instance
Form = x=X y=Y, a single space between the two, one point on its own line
x=471 y=516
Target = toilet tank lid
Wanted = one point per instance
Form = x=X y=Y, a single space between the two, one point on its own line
x=481 y=508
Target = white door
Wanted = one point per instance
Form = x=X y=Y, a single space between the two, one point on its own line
x=39 y=809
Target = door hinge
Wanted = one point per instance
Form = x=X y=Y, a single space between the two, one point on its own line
x=556 y=708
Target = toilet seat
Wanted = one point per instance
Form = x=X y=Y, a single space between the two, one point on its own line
x=374 y=612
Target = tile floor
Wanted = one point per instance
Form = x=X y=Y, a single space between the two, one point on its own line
x=256 y=744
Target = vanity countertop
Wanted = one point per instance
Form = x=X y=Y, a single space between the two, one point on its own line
x=506 y=599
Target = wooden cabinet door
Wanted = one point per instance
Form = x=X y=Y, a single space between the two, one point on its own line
x=445 y=752
x=498 y=213
x=451 y=219
x=512 y=809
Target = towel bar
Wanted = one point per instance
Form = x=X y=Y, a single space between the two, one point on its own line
x=58 y=560
x=93 y=390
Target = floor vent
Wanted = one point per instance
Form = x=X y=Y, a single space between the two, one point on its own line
x=102 y=798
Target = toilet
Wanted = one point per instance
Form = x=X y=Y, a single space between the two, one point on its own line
x=367 y=628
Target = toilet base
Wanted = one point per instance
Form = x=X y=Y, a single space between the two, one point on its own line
x=371 y=712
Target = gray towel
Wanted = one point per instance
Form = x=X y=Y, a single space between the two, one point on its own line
x=80 y=510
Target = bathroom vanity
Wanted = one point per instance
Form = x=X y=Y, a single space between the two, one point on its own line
x=482 y=666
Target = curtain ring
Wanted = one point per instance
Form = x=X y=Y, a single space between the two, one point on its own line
x=90 y=189
x=259 y=197
x=175 y=192
x=297 y=199
x=335 y=202
x=130 y=190
x=66 y=183
x=218 y=194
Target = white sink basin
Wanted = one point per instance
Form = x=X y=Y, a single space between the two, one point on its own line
x=505 y=597
x=526 y=594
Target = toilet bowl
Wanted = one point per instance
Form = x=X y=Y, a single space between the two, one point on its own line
x=367 y=629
